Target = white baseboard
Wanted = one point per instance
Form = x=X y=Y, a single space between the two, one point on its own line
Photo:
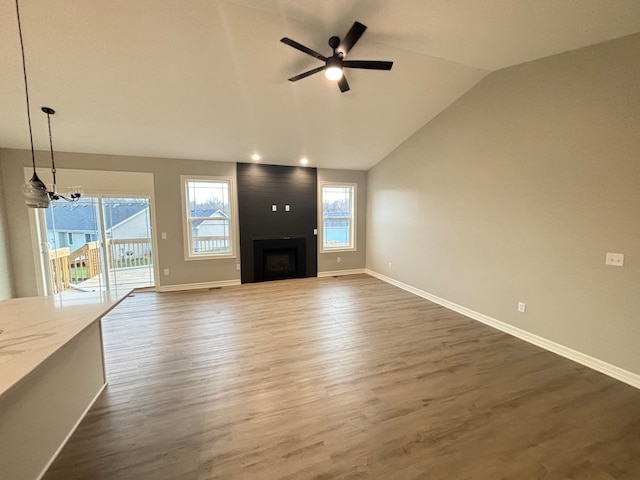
x=618 y=373
x=71 y=432
x=197 y=286
x=339 y=273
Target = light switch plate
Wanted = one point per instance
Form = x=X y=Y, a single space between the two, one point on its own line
x=274 y=208
x=615 y=259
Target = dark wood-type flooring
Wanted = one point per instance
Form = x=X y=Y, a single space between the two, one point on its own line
x=340 y=378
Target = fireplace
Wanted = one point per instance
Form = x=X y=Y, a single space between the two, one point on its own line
x=279 y=258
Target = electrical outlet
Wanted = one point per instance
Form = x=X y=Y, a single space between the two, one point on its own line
x=237 y=266
x=615 y=259
x=390 y=266
x=339 y=259
x=166 y=271
x=522 y=307
x=164 y=235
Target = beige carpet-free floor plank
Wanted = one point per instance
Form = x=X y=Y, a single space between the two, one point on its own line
x=340 y=378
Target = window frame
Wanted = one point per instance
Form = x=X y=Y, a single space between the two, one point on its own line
x=186 y=217
x=354 y=216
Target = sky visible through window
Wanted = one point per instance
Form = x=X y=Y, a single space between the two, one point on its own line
x=207 y=195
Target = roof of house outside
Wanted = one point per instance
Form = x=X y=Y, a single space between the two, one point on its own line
x=206 y=212
x=79 y=217
x=82 y=217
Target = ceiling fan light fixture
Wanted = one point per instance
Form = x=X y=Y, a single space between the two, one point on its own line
x=333 y=73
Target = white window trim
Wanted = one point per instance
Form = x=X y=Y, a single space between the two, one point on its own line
x=186 y=227
x=354 y=224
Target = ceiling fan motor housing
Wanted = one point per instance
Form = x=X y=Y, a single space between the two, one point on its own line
x=334 y=42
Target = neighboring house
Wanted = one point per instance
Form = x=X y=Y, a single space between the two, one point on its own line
x=71 y=225
x=218 y=226
x=74 y=224
x=212 y=233
x=134 y=226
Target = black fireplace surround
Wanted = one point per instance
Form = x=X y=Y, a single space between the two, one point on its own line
x=279 y=258
x=277 y=216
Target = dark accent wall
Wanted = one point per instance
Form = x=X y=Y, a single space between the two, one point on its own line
x=260 y=187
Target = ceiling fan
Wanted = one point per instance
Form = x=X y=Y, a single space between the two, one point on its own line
x=334 y=65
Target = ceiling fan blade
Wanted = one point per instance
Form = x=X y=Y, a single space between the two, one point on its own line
x=367 y=64
x=302 y=48
x=352 y=36
x=306 y=74
x=343 y=84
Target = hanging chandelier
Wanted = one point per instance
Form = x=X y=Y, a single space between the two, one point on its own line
x=36 y=194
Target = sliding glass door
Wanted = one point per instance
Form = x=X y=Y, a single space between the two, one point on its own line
x=73 y=252
x=98 y=243
x=127 y=226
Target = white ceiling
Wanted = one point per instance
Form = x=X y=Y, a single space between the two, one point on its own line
x=206 y=79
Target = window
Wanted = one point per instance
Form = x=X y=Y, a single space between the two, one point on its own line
x=209 y=217
x=338 y=217
x=70 y=238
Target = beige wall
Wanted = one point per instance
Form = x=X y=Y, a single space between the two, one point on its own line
x=168 y=213
x=353 y=260
x=6 y=283
x=516 y=192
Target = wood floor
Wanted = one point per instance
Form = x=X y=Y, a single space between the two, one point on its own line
x=340 y=378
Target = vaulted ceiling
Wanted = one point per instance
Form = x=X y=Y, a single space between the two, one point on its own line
x=207 y=79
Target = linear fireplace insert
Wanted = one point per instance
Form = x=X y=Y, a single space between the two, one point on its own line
x=279 y=258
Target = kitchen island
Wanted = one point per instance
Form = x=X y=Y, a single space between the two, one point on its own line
x=51 y=372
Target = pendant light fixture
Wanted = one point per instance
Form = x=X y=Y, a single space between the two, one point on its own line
x=74 y=192
x=36 y=194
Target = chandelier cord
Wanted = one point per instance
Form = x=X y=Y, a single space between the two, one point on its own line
x=53 y=164
x=26 y=88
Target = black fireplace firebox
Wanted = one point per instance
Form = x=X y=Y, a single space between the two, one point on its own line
x=279 y=258
x=280 y=263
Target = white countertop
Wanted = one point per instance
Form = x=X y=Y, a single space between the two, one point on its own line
x=34 y=328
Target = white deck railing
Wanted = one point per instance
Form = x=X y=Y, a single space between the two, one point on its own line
x=129 y=252
x=210 y=244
